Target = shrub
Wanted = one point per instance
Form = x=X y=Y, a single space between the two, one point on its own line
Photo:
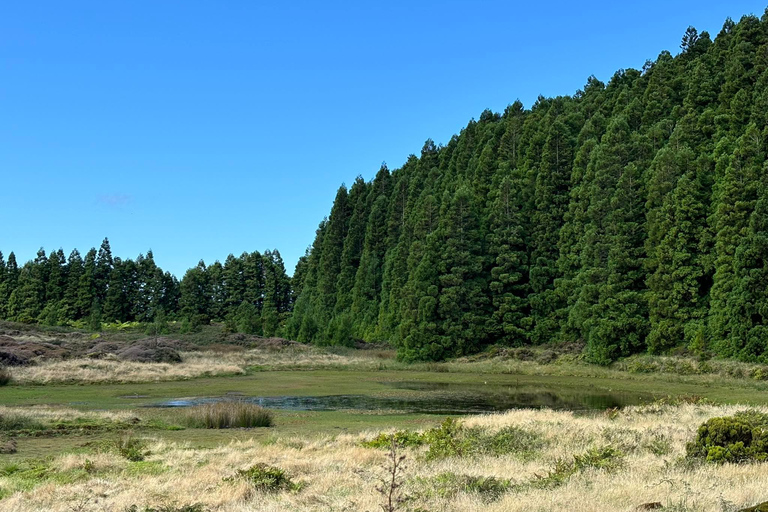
x=452 y=439
x=231 y=414
x=132 y=448
x=5 y=376
x=606 y=458
x=447 y=440
x=742 y=437
x=265 y=478
x=405 y=438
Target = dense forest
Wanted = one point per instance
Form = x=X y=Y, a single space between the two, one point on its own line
x=631 y=217
x=250 y=294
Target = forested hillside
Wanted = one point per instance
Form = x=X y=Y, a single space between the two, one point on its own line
x=631 y=216
x=250 y=293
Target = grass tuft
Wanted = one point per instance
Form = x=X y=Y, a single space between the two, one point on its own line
x=265 y=478
x=229 y=415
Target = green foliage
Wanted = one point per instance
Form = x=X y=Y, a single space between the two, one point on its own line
x=229 y=414
x=605 y=458
x=742 y=437
x=404 y=438
x=266 y=478
x=452 y=439
x=130 y=447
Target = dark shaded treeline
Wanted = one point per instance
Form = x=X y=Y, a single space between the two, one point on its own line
x=250 y=293
x=631 y=216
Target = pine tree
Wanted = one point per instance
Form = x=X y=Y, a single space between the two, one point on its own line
x=86 y=288
x=749 y=302
x=463 y=305
x=69 y=310
x=195 y=300
x=676 y=302
x=552 y=187
x=734 y=203
x=4 y=293
x=509 y=268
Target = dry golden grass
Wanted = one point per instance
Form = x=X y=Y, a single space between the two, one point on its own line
x=223 y=360
x=194 y=364
x=47 y=414
x=339 y=474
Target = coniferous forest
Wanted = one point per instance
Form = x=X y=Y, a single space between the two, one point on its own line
x=250 y=293
x=631 y=216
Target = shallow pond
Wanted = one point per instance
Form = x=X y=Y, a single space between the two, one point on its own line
x=419 y=397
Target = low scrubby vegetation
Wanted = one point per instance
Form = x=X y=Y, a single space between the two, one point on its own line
x=453 y=439
x=131 y=448
x=265 y=478
x=742 y=437
x=524 y=460
x=229 y=414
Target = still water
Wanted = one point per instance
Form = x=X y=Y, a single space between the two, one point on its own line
x=437 y=398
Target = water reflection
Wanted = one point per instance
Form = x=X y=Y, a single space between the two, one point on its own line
x=440 y=398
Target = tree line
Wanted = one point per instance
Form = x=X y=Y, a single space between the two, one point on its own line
x=250 y=293
x=631 y=216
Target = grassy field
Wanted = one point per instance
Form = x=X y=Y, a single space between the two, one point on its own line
x=546 y=460
x=67 y=424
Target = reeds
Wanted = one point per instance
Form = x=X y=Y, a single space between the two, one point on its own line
x=229 y=414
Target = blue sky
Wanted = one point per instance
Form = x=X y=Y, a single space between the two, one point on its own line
x=199 y=129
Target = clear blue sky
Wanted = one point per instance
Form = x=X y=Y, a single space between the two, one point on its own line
x=199 y=129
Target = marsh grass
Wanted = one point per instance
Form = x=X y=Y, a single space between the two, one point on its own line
x=13 y=421
x=228 y=414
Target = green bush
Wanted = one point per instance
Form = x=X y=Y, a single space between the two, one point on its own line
x=231 y=414
x=742 y=437
x=447 y=440
x=265 y=478
x=130 y=447
x=405 y=438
